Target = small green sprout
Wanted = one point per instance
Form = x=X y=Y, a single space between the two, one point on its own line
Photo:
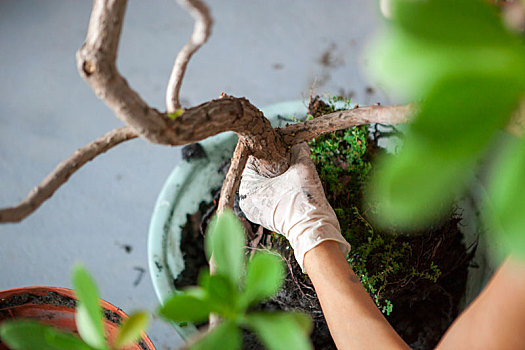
x=176 y=114
x=236 y=287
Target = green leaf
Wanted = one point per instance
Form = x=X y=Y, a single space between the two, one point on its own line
x=433 y=39
x=219 y=291
x=505 y=207
x=218 y=287
x=411 y=67
x=65 y=341
x=131 y=330
x=222 y=294
x=225 y=239
x=264 y=278
x=204 y=278
x=441 y=148
x=279 y=330
x=226 y=336
x=303 y=321
x=32 y=335
x=470 y=72
x=186 y=308
x=87 y=328
x=457 y=23
x=88 y=314
x=197 y=292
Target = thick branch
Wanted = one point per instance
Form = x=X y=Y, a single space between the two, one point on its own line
x=310 y=129
x=96 y=63
x=62 y=173
x=201 y=32
x=233 y=177
x=238 y=115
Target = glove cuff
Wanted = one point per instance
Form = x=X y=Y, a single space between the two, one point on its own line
x=313 y=237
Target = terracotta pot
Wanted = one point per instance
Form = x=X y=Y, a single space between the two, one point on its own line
x=56 y=306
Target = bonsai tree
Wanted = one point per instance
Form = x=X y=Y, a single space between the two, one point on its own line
x=469 y=82
x=96 y=62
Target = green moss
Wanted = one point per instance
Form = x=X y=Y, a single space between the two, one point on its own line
x=381 y=260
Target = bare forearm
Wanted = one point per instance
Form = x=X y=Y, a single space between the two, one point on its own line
x=496 y=318
x=353 y=318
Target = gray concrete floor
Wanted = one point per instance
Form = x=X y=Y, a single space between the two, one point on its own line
x=269 y=51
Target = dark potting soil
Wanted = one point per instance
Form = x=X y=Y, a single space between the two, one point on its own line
x=193 y=151
x=423 y=309
x=51 y=298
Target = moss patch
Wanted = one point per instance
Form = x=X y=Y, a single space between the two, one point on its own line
x=382 y=260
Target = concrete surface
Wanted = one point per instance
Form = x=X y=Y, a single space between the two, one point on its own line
x=268 y=51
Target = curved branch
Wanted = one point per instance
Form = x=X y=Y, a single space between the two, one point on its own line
x=63 y=171
x=96 y=63
x=201 y=32
x=310 y=129
x=256 y=136
x=240 y=116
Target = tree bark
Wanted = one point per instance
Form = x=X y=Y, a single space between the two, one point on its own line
x=201 y=33
x=310 y=129
x=96 y=61
x=233 y=177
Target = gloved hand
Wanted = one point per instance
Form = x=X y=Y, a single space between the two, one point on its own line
x=292 y=204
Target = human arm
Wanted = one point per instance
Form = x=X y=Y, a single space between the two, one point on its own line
x=294 y=204
x=354 y=320
x=496 y=318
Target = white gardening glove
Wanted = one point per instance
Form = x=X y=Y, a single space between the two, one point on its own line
x=292 y=204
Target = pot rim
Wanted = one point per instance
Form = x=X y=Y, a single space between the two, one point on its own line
x=70 y=293
x=7 y=293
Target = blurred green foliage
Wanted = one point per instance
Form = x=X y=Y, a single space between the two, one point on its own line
x=467 y=71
